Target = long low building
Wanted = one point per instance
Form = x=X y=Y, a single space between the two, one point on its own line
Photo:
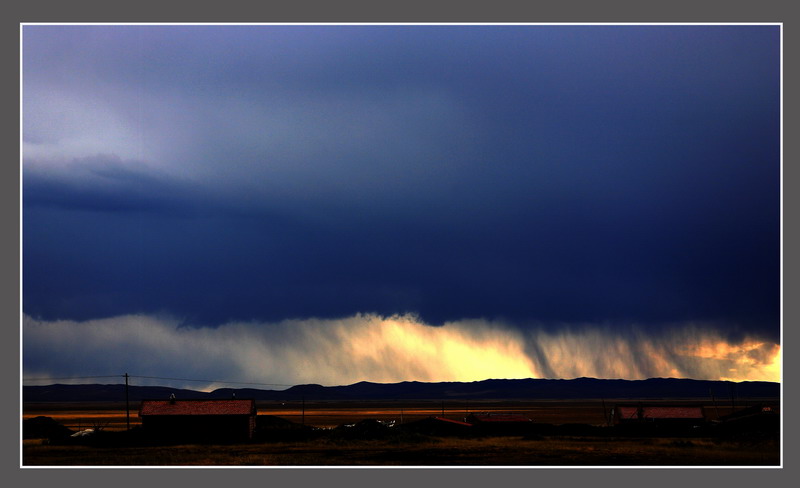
x=213 y=420
x=497 y=418
x=679 y=415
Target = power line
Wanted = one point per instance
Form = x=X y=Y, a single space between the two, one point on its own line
x=156 y=378
x=74 y=377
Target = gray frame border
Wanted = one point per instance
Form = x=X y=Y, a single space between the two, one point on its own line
x=567 y=11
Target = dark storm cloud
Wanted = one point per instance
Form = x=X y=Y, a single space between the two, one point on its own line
x=549 y=174
x=106 y=184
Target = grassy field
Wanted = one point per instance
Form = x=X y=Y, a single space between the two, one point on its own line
x=492 y=451
x=326 y=449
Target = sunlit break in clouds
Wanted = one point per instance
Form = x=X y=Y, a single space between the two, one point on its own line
x=382 y=349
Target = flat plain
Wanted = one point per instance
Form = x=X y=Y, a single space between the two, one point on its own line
x=323 y=446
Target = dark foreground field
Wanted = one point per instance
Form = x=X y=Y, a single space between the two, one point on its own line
x=562 y=434
x=432 y=451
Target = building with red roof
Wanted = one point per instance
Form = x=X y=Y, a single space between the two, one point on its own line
x=219 y=420
x=678 y=415
x=500 y=423
x=497 y=417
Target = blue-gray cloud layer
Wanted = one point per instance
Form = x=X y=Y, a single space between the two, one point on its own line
x=529 y=173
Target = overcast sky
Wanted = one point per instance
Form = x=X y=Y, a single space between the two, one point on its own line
x=547 y=178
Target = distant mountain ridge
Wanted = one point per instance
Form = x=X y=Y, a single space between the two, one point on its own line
x=517 y=389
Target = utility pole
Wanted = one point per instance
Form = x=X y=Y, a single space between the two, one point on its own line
x=605 y=417
x=714 y=401
x=303 y=413
x=127 y=404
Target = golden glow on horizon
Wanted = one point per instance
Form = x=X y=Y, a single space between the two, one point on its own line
x=390 y=349
x=444 y=353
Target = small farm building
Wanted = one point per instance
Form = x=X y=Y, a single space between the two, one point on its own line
x=676 y=415
x=756 y=411
x=758 y=418
x=218 y=420
x=500 y=423
x=496 y=418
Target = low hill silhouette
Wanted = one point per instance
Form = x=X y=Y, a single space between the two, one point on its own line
x=516 y=389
